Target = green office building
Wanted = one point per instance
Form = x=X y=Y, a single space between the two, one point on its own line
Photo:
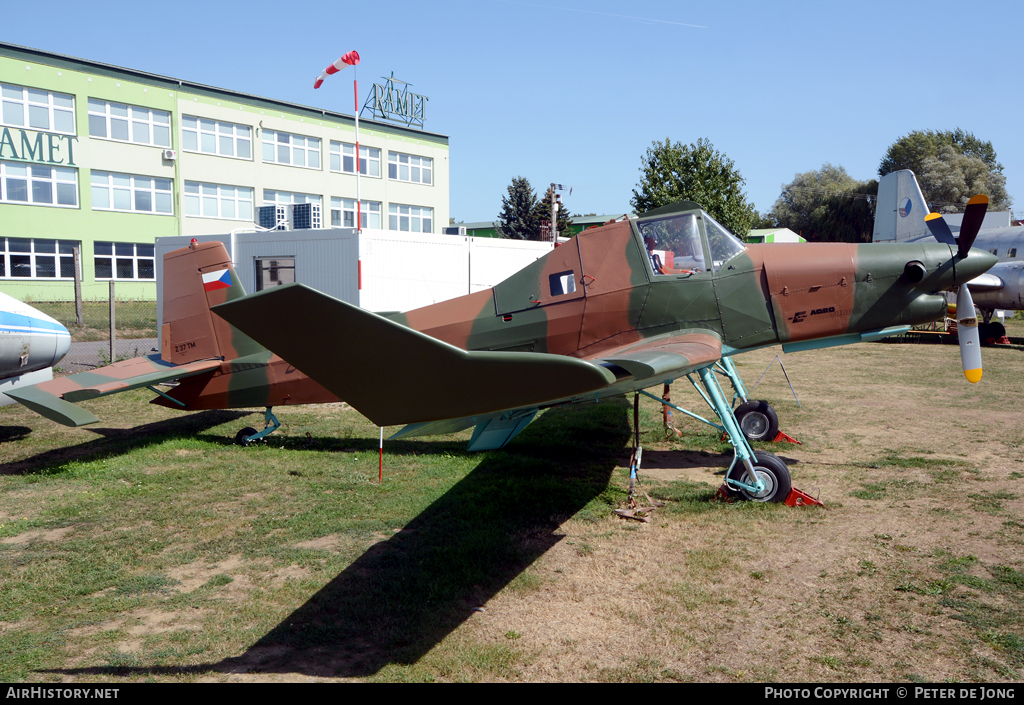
x=108 y=159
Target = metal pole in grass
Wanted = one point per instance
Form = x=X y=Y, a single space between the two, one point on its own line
x=380 y=476
x=111 y=321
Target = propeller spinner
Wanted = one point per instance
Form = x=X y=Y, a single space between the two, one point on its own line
x=967 y=319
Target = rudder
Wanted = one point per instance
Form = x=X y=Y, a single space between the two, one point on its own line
x=194 y=279
x=900 y=212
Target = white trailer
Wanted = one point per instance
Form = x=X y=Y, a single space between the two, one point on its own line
x=379 y=270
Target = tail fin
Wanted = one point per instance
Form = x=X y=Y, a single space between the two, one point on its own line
x=899 y=215
x=195 y=278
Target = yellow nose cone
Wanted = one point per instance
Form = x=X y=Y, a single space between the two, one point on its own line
x=973 y=376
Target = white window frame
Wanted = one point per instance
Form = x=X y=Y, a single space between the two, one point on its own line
x=60 y=251
x=217 y=137
x=272 y=197
x=343 y=159
x=279 y=144
x=119 y=254
x=158 y=190
x=221 y=201
x=54 y=103
x=343 y=213
x=403 y=167
x=61 y=182
x=410 y=216
x=142 y=123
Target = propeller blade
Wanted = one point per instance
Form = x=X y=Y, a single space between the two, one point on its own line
x=939 y=229
x=967 y=332
x=971 y=224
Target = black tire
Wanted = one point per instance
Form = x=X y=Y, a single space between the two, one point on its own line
x=241 y=436
x=757 y=420
x=770 y=469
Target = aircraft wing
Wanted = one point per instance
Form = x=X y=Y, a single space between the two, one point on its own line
x=53 y=399
x=667 y=356
x=986 y=282
x=396 y=375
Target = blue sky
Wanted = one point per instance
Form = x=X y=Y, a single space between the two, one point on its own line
x=575 y=92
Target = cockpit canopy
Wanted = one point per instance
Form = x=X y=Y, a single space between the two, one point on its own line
x=675 y=244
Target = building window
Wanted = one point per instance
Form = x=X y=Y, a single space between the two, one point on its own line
x=343 y=159
x=271 y=198
x=218 y=201
x=25 y=258
x=129 y=123
x=38 y=185
x=274 y=271
x=413 y=219
x=224 y=139
x=37 y=110
x=124 y=260
x=343 y=213
x=130 y=193
x=408 y=167
x=286 y=148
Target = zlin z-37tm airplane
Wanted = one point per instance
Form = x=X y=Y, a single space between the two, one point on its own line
x=621 y=308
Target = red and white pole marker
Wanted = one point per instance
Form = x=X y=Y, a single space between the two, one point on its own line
x=380 y=476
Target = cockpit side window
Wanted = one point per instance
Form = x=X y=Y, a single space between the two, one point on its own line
x=723 y=244
x=673 y=244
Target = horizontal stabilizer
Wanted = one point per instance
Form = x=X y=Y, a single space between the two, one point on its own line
x=53 y=399
x=134 y=374
x=52 y=407
x=396 y=375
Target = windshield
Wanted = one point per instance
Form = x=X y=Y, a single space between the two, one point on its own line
x=673 y=244
x=723 y=244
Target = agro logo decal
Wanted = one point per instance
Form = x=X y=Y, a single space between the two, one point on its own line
x=802 y=315
x=905 y=207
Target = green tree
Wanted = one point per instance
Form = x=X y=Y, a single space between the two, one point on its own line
x=826 y=205
x=951 y=166
x=698 y=173
x=518 y=217
x=543 y=215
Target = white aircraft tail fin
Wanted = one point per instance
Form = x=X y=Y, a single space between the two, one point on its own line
x=899 y=215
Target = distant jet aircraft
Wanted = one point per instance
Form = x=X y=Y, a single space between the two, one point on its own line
x=31 y=343
x=900 y=216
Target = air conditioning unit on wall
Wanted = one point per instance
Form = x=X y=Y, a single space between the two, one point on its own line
x=170 y=155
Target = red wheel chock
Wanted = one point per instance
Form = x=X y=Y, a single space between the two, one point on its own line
x=797 y=498
x=781 y=437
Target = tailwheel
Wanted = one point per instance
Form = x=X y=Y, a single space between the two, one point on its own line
x=242 y=437
x=757 y=420
x=770 y=470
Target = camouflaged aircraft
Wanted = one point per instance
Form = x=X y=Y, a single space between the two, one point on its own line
x=213 y=364
x=617 y=309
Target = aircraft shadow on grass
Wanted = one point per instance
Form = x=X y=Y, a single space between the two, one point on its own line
x=114 y=441
x=403 y=596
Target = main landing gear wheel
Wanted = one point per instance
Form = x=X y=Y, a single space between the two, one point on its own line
x=241 y=436
x=770 y=470
x=757 y=420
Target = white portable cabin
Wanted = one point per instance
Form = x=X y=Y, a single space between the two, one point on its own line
x=379 y=270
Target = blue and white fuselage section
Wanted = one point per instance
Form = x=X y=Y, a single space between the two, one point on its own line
x=31 y=343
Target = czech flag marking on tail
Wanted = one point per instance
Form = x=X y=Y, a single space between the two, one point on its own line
x=220 y=279
x=350 y=59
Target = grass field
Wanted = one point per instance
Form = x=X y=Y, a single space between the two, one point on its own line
x=153 y=548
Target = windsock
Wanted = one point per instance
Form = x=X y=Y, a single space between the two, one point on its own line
x=349 y=59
